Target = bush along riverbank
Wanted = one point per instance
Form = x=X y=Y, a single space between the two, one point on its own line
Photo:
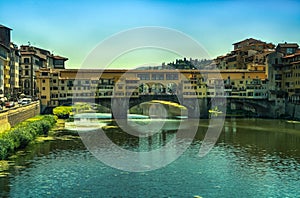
x=23 y=133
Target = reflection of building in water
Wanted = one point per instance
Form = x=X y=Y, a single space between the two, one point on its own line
x=140 y=141
x=155 y=141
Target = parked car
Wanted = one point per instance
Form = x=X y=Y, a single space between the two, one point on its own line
x=9 y=104
x=26 y=101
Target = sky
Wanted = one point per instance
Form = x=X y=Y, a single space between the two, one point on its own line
x=74 y=28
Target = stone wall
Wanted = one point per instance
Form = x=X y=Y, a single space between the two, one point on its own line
x=293 y=111
x=11 y=117
x=4 y=124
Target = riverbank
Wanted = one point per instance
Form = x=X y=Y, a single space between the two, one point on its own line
x=23 y=133
x=14 y=115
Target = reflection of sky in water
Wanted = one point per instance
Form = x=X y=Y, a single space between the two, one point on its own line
x=252 y=162
x=226 y=171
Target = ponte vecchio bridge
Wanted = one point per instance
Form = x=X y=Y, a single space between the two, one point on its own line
x=123 y=89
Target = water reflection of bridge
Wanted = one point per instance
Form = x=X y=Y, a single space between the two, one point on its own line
x=197 y=107
x=143 y=144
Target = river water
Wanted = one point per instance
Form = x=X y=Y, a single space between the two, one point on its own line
x=252 y=158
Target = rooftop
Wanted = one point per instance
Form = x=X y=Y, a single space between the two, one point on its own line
x=59 y=57
x=250 y=40
x=293 y=45
x=2 y=26
x=292 y=55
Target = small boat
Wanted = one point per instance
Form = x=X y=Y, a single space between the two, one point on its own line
x=215 y=110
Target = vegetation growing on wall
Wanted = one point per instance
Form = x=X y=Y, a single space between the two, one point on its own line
x=62 y=111
x=24 y=132
x=67 y=111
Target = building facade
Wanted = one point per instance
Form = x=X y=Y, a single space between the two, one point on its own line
x=4 y=61
x=57 y=86
x=284 y=72
x=33 y=59
x=15 y=57
x=4 y=70
x=248 y=54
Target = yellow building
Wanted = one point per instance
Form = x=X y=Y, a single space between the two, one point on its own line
x=57 y=86
x=291 y=76
x=4 y=71
x=14 y=70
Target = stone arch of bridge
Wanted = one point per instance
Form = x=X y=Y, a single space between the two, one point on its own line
x=259 y=109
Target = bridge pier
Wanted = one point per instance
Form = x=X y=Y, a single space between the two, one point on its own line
x=197 y=107
x=258 y=107
x=119 y=108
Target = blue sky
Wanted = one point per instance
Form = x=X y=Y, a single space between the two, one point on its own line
x=73 y=28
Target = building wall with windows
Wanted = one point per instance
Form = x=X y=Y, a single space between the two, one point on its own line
x=4 y=70
x=14 y=71
x=58 y=85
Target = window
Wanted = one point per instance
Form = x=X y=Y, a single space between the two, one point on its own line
x=43 y=81
x=26 y=60
x=290 y=50
x=172 y=76
x=43 y=97
x=26 y=72
x=44 y=88
x=144 y=76
x=157 y=77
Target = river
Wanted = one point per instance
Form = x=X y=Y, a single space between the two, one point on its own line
x=252 y=158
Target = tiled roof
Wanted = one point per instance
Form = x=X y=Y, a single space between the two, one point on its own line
x=292 y=55
x=60 y=57
x=288 y=45
x=296 y=62
x=2 y=26
x=249 y=39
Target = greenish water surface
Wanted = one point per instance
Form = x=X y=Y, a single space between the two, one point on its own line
x=252 y=158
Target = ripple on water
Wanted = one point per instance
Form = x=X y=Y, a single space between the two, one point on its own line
x=236 y=167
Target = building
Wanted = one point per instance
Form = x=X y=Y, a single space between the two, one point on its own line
x=5 y=61
x=250 y=54
x=287 y=48
x=4 y=70
x=5 y=36
x=33 y=59
x=252 y=44
x=15 y=57
x=57 y=62
x=59 y=86
x=284 y=72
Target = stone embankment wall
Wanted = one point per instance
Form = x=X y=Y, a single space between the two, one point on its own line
x=11 y=117
x=293 y=111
